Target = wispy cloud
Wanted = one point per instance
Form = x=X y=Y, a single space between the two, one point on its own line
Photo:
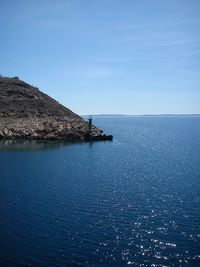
x=110 y=60
x=98 y=72
x=84 y=71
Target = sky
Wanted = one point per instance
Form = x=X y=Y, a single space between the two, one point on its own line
x=106 y=56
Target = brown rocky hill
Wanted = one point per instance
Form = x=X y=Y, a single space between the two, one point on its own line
x=26 y=112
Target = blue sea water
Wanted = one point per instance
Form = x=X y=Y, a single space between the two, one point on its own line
x=133 y=201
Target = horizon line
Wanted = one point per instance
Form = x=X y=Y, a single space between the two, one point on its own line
x=161 y=114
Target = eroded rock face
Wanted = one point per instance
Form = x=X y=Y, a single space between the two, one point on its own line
x=26 y=112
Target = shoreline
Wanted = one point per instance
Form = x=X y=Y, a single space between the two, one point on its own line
x=103 y=137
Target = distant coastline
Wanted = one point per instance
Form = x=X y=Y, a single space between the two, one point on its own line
x=144 y=115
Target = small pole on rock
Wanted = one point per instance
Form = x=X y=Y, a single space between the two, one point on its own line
x=90 y=124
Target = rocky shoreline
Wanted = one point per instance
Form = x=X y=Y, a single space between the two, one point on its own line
x=26 y=112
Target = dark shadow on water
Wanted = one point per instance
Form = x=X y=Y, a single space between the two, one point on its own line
x=24 y=144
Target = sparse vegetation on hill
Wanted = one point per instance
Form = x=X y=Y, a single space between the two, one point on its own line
x=28 y=113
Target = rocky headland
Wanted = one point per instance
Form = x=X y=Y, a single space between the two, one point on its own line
x=26 y=112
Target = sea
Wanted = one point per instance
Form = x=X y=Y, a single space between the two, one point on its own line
x=131 y=201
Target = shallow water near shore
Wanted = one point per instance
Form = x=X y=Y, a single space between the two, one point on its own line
x=131 y=201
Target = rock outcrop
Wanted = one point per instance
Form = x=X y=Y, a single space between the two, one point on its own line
x=26 y=112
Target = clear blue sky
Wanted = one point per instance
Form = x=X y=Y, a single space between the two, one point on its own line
x=106 y=56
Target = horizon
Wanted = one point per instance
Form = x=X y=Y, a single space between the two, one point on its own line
x=106 y=57
x=143 y=115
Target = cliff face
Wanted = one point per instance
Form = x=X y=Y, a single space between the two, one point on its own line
x=28 y=113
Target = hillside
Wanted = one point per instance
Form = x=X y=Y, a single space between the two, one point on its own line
x=26 y=112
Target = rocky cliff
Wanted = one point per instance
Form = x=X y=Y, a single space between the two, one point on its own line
x=26 y=112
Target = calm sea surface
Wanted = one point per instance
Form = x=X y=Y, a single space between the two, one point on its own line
x=134 y=201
